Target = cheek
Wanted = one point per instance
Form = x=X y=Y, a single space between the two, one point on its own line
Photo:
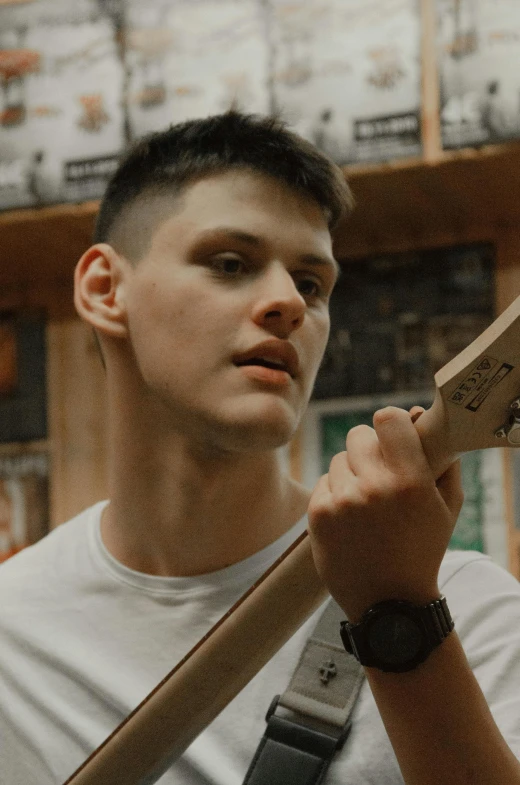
x=176 y=326
x=321 y=336
x=156 y=307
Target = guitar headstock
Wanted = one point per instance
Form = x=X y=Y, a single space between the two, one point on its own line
x=478 y=395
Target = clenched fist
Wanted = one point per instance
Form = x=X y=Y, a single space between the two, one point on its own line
x=380 y=521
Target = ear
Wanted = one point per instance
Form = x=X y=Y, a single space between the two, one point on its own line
x=98 y=290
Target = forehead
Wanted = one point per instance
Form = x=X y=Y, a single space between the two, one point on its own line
x=247 y=202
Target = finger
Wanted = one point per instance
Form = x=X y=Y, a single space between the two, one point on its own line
x=343 y=483
x=320 y=502
x=364 y=453
x=340 y=473
x=415 y=412
x=321 y=492
x=449 y=486
x=399 y=442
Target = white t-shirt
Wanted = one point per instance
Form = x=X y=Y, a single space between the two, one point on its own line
x=83 y=639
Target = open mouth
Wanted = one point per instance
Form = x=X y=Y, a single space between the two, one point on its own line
x=278 y=366
x=275 y=365
x=277 y=357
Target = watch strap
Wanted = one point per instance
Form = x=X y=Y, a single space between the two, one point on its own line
x=441 y=622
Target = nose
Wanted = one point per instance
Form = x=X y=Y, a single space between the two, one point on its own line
x=279 y=307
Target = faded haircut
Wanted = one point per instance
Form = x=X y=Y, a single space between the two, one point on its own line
x=162 y=164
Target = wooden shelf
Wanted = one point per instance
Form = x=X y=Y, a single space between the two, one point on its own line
x=457 y=197
x=42 y=245
x=24 y=448
x=470 y=194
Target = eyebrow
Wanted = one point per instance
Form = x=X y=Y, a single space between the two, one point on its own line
x=256 y=242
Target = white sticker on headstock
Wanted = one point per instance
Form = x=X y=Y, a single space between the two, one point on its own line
x=497 y=377
x=478 y=376
x=478 y=384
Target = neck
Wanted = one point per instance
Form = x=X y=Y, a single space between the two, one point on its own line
x=177 y=508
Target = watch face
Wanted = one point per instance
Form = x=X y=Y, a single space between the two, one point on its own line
x=395 y=638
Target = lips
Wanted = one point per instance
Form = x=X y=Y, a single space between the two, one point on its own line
x=279 y=355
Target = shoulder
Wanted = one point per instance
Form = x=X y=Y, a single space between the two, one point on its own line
x=484 y=600
x=463 y=570
x=31 y=572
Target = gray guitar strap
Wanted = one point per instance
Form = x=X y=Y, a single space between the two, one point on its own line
x=310 y=721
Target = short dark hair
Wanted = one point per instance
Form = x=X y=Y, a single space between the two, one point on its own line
x=162 y=163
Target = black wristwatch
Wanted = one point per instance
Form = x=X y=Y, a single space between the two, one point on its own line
x=395 y=636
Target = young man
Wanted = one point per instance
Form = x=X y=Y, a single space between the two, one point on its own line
x=208 y=288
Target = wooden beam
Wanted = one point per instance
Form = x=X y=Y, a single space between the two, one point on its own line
x=430 y=105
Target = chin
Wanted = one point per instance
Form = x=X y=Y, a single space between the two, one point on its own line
x=259 y=433
x=267 y=439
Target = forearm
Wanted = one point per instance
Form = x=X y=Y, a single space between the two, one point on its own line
x=380 y=522
x=440 y=725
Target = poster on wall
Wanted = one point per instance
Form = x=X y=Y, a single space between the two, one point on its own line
x=61 y=117
x=347 y=75
x=24 y=501
x=194 y=58
x=479 y=45
x=481 y=525
x=8 y=357
x=23 y=387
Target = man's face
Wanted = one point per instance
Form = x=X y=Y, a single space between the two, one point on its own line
x=228 y=310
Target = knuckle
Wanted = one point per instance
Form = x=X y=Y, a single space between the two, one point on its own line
x=407 y=487
x=319 y=511
x=412 y=490
x=370 y=493
x=343 y=502
x=401 y=489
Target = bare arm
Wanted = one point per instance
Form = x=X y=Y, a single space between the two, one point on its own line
x=379 y=526
x=439 y=723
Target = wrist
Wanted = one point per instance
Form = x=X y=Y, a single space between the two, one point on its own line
x=357 y=604
x=396 y=635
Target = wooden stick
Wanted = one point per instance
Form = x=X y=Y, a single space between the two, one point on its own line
x=474 y=393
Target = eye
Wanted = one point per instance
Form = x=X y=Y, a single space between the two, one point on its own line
x=228 y=265
x=309 y=287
